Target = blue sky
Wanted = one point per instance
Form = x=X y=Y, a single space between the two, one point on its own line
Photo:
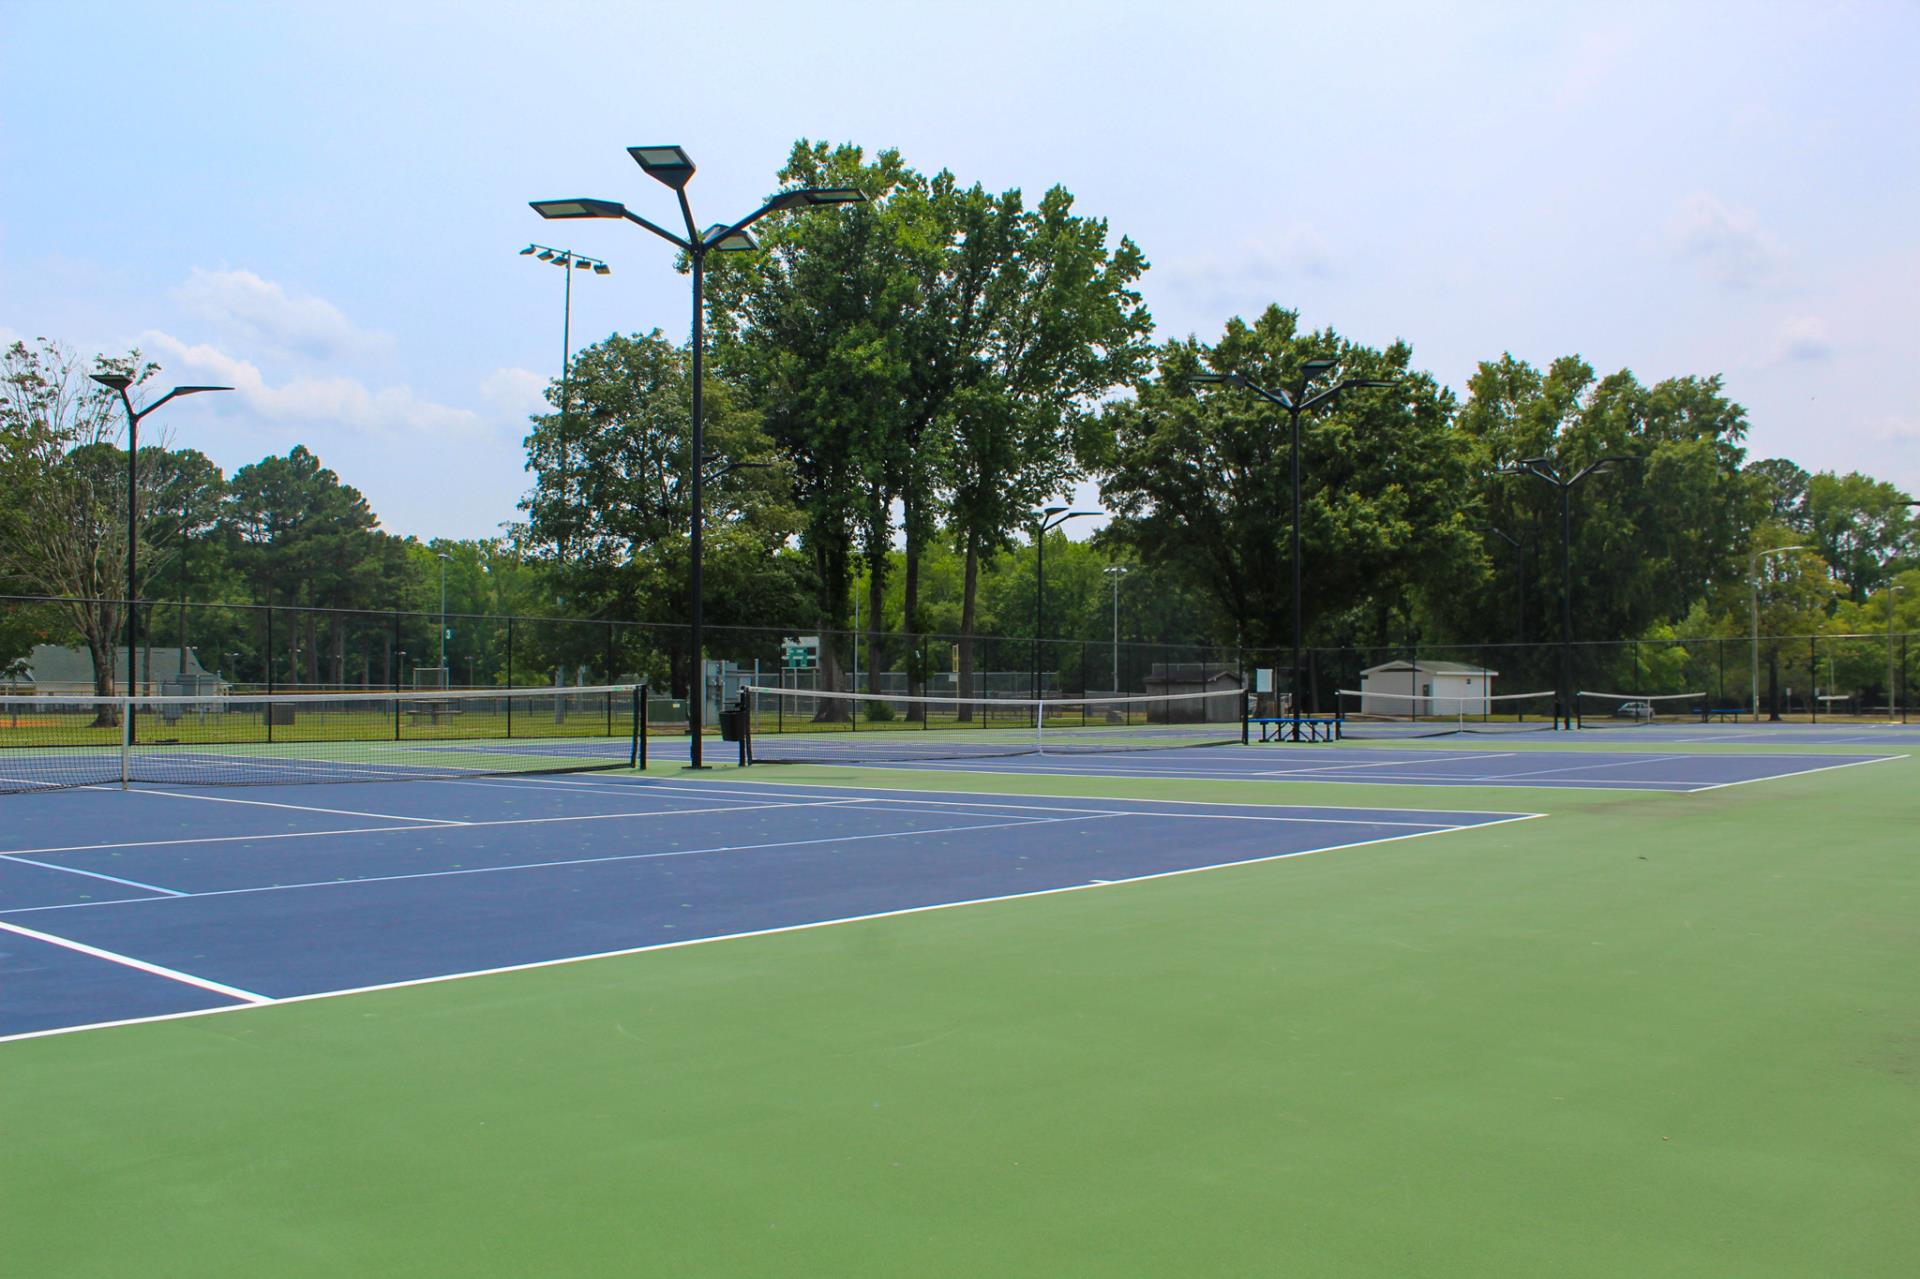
x=323 y=204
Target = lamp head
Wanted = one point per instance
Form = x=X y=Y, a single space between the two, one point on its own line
x=670 y=165
x=582 y=208
x=113 y=381
x=737 y=242
x=529 y=249
x=1217 y=379
x=1311 y=369
x=816 y=197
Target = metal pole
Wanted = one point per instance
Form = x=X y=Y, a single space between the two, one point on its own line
x=695 y=705
x=1293 y=675
x=1039 y=599
x=444 y=681
x=133 y=550
x=1116 y=633
x=1753 y=673
x=566 y=403
x=1566 y=598
x=1891 y=588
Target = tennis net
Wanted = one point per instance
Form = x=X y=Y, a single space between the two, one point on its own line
x=1367 y=714
x=811 y=727
x=1634 y=710
x=49 y=741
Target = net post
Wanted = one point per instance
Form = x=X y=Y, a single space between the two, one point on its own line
x=1039 y=727
x=745 y=713
x=126 y=735
x=1244 y=741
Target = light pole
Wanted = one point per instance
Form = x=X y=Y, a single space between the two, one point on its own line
x=565 y=258
x=1044 y=522
x=1753 y=581
x=1893 y=712
x=1295 y=402
x=1114 y=573
x=1542 y=468
x=443 y=557
x=119 y=382
x=671 y=166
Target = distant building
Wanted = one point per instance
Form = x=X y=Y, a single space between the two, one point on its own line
x=58 y=668
x=1407 y=687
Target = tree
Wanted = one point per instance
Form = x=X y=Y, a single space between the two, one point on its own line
x=935 y=347
x=63 y=521
x=1202 y=483
x=614 y=493
x=1783 y=488
x=1650 y=538
x=304 y=539
x=1862 y=526
x=810 y=328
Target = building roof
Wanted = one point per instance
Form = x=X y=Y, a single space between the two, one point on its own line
x=51 y=664
x=1432 y=668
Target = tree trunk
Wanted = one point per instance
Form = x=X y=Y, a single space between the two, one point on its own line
x=99 y=626
x=969 y=599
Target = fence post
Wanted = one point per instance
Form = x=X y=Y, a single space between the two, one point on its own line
x=509 y=675
x=270 y=655
x=1813 y=668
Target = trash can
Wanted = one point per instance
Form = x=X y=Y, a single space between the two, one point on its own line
x=730 y=726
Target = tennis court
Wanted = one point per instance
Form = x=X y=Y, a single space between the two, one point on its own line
x=1495 y=765
x=122 y=904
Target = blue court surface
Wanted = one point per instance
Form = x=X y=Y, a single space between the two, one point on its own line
x=1487 y=764
x=119 y=905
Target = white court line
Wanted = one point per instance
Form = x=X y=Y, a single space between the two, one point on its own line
x=128 y=961
x=1337 y=779
x=299 y=808
x=1385 y=763
x=481 y=824
x=94 y=874
x=1618 y=763
x=1824 y=768
x=768 y=932
x=609 y=859
x=831 y=787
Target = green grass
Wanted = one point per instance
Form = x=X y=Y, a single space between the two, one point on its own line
x=1650 y=1035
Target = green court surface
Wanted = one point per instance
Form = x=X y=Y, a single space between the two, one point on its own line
x=1652 y=1034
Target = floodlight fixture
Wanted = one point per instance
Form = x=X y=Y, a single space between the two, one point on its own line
x=580 y=208
x=115 y=381
x=546 y=255
x=1311 y=369
x=601 y=268
x=670 y=164
x=583 y=264
x=723 y=239
x=529 y=249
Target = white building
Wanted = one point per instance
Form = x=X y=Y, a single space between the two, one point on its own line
x=1406 y=687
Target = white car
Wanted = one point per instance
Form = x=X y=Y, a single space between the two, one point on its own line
x=1634 y=710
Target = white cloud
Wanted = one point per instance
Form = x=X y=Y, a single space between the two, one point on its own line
x=1803 y=339
x=1257 y=270
x=330 y=401
x=516 y=393
x=1728 y=243
x=257 y=310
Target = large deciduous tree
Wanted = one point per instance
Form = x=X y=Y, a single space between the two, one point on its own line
x=612 y=500
x=1203 y=482
x=63 y=528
